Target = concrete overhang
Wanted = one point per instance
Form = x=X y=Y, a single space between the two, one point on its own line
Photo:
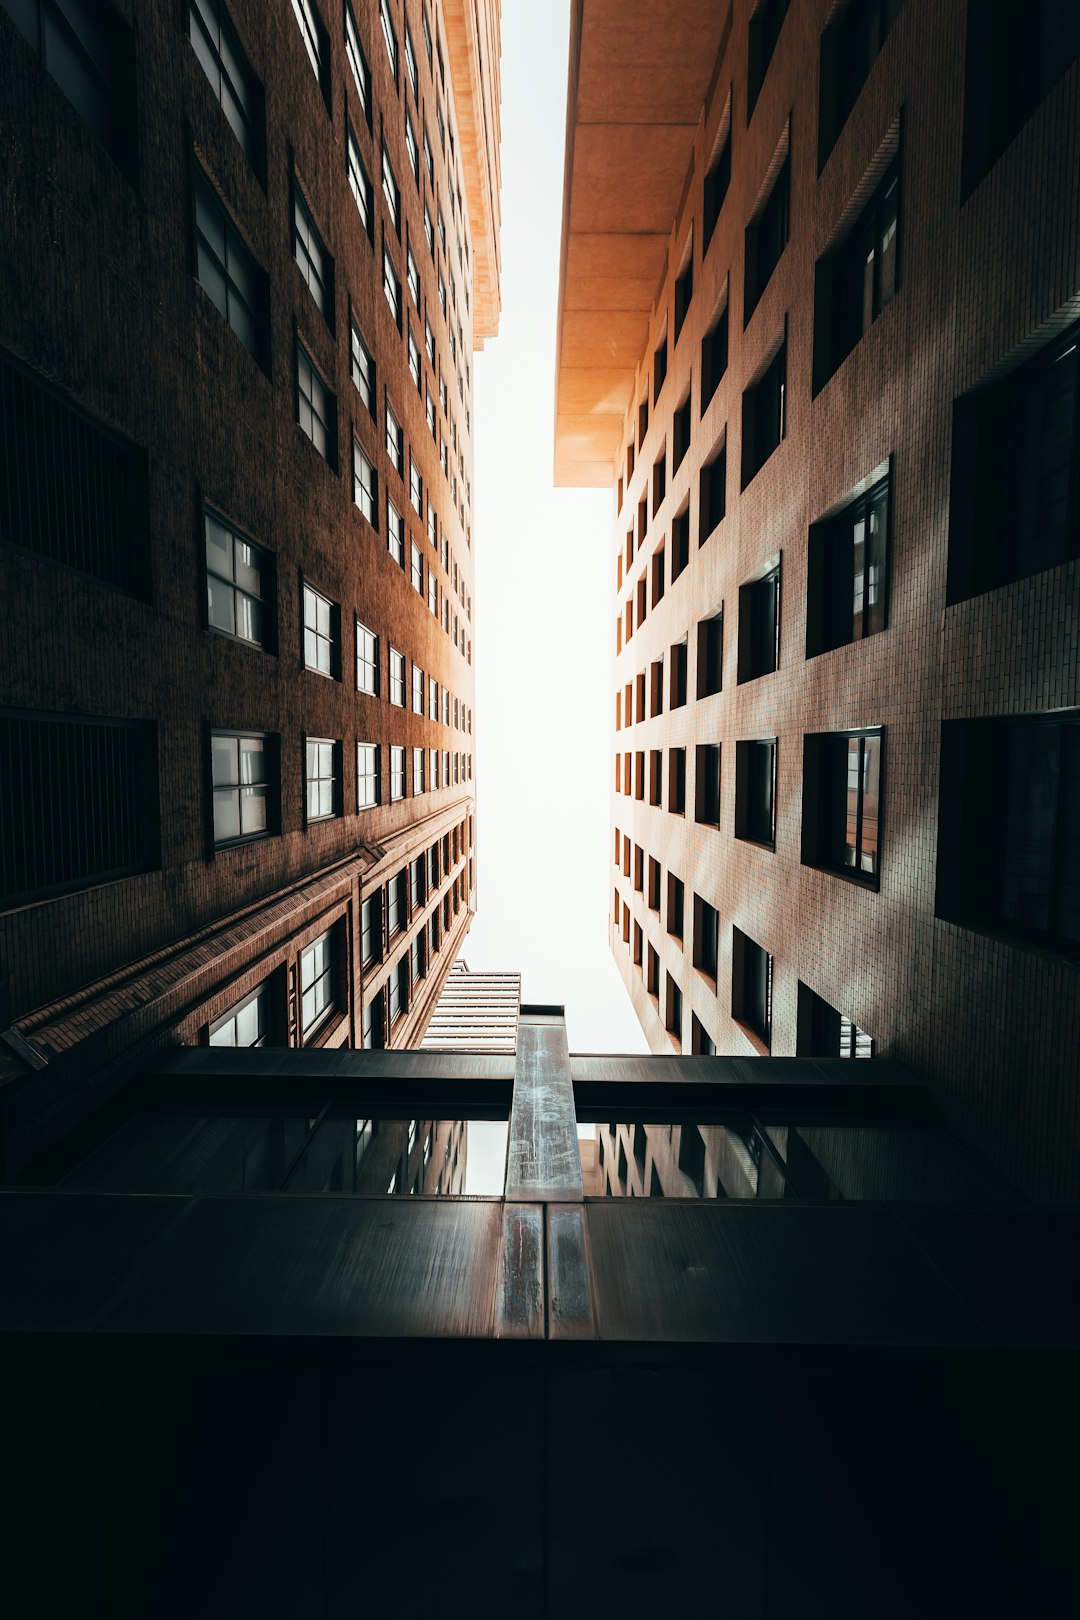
x=473 y=42
x=638 y=77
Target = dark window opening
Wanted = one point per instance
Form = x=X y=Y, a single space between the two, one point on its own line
x=849 y=49
x=751 y=985
x=706 y=937
x=87 y=49
x=764 y=413
x=677 y=676
x=712 y=494
x=759 y=626
x=765 y=26
x=714 y=357
x=755 y=791
x=766 y=239
x=710 y=655
x=825 y=1033
x=677 y=781
x=707 y=784
x=854 y=283
x=684 y=292
x=841 y=813
x=1016 y=52
x=680 y=435
x=717 y=181
x=659 y=373
x=846 y=573
x=675 y=905
x=680 y=542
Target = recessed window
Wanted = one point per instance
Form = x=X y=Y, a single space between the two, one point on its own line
x=88 y=52
x=318 y=992
x=642 y=421
x=316 y=407
x=684 y=289
x=395 y=533
x=358 y=62
x=825 y=1033
x=91 y=785
x=656 y=687
x=246 y=1024
x=639 y=869
x=656 y=772
x=397 y=903
x=710 y=655
x=654 y=885
x=360 y=183
x=391 y=191
x=714 y=356
x=410 y=63
x=659 y=368
x=243 y=770
x=223 y=60
x=392 y=287
x=659 y=480
x=397 y=773
x=367 y=775
x=751 y=986
x=766 y=238
x=417 y=689
x=755 y=791
x=702 y=1043
x=311 y=255
x=677 y=676
x=389 y=37
x=395 y=441
x=680 y=435
x=1014 y=509
x=855 y=281
x=673 y=1013
x=239 y=583
x=371 y=940
x=228 y=273
x=657 y=571
x=676 y=895
x=418 y=770
x=680 y=542
x=676 y=781
x=846 y=573
x=1016 y=52
x=365 y=485
x=322 y=634
x=849 y=48
x=639 y=774
x=764 y=415
x=367 y=660
x=765 y=26
x=759 y=626
x=707 y=784
x=361 y=366
x=717 y=179
x=841 y=819
x=653 y=981
x=322 y=778
x=416 y=572
x=1008 y=851
x=316 y=43
x=397 y=678
x=706 y=938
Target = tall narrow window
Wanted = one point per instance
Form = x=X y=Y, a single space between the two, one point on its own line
x=371 y=942
x=706 y=937
x=243 y=769
x=359 y=183
x=395 y=533
x=849 y=48
x=88 y=51
x=710 y=655
x=316 y=43
x=766 y=239
x=397 y=773
x=712 y=493
x=707 y=784
x=842 y=802
x=358 y=62
x=854 y=284
x=755 y=791
x=367 y=660
x=367 y=775
x=318 y=971
x=322 y=778
x=765 y=26
x=309 y=251
x=222 y=58
x=751 y=986
x=227 y=272
x=391 y=191
x=764 y=415
x=759 y=626
x=389 y=37
x=717 y=181
x=395 y=440
x=365 y=485
x=322 y=634
x=392 y=288
x=714 y=356
x=239 y=583
x=316 y=407
x=397 y=678
x=361 y=366
x=846 y=573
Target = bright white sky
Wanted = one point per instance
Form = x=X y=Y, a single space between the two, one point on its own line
x=542 y=604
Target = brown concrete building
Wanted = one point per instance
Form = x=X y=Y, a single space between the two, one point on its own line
x=820 y=280
x=248 y=253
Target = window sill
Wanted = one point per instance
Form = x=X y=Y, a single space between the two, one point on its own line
x=859 y=880
x=758 y=843
x=762 y=1047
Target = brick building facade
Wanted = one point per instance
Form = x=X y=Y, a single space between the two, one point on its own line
x=823 y=351
x=249 y=252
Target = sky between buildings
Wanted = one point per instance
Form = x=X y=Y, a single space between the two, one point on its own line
x=542 y=604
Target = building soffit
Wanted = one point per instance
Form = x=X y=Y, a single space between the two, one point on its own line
x=638 y=77
x=473 y=41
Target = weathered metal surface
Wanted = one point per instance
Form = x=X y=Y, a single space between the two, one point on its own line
x=519 y=1301
x=570 y=1307
x=544 y=1163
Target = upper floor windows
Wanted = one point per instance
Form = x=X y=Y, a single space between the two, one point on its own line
x=707 y=784
x=354 y=55
x=849 y=48
x=367 y=777
x=322 y=778
x=316 y=43
x=764 y=414
x=316 y=407
x=322 y=634
x=825 y=1033
x=712 y=492
x=755 y=791
x=714 y=356
x=361 y=366
x=359 y=183
x=751 y=987
x=243 y=770
x=410 y=64
x=391 y=190
x=397 y=773
x=228 y=273
x=1009 y=827
x=759 y=625
x=846 y=573
x=239 y=583
x=318 y=976
x=412 y=149
x=246 y=1024
x=391 y=287
x=88 y=51
x=1014 y=508
x=841 y=811
x=1016 y=51
x=315 y=262
x=765 y=26
x=389 y=37
x=856 y=280
x=222 y=58
x=395 y=533
x=717 y=181
x=367 y=660
x=397 y=678
x=766 y=238
x=365 y=485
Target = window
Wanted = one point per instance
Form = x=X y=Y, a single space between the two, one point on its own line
x=227 y=273
x=717 y=180
x=87 y=50
x=433 y=698
x=392 y=288
x=354 y=53
x=361 y=366
x=432 y=595
x=397 y=903
x=684 y=290
x=80 y=803
x=702 y=1043
x=710 y=655
x=309 y=251
x=367 y=775
x=845 y=592
x=397 y=678
x=391 y=191
x=410 y=63
x=239 y=583
x=755 y=791
x=417 y=689
x=412 y=276
x=656 y=687
x=418 y=769
x=322 y=776
x=429 y=229
x=222 y=59
x=653 y=981
x=389 y=37
x=707 y=784
x=856 y=280
x=677 y=676
x=656 y=762
x=399 y=1001
x=751 y=986
x=714 y=356
x=416 y=490
x=676 y=781
x=417 y=569
x=367 y=660
x=642 y=421
x=825 y=1033
x=246 y=1024
x=706 y=938
x=412 y=149
x=766 y=238
x=397 y=773
x=322 y=634
x=1016 y=51
x=1014 y=508
x=1008 y=851
x=395 y=533
x=242 y=768
x=318 y=970
x=371 y=941
x=365 y=485
x=680 y=542
x=657 y=570
x=765 y=26
x=374 y=1037
x=712 y=494
x=429 y=412
x=659 y=367
x=764 y=415
x=673 y=1012
x=842 y=802
x=395 y=441
x=759 y=626
x=680 y=435
x=316 y=407
x=675 y=899
x=360 y=183
x=849 y=49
